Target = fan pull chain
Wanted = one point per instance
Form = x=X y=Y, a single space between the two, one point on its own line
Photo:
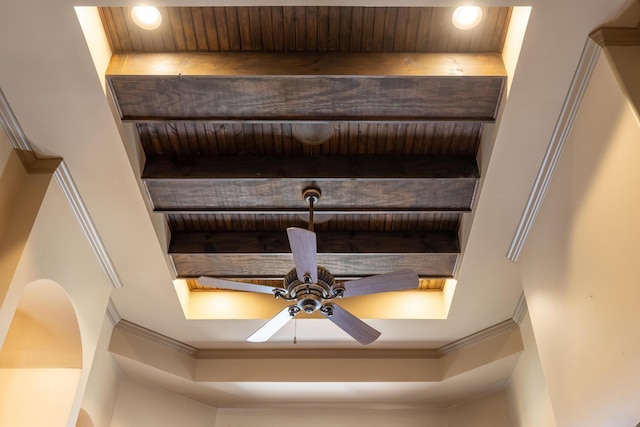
x=295 y=330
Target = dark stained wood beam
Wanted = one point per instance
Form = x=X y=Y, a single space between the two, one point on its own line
x=289 y=87
x=250 y=254
x=444 y=183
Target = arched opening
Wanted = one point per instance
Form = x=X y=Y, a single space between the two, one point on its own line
x=84 y=420
x=41 y=358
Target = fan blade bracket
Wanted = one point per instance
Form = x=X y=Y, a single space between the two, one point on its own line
x=337 y=291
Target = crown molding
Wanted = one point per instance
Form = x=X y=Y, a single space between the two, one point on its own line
x=320 y=353
x=79 y=209
x=112 y=313
x=35 y=164
x=572 y=102
x=12 y=128
x=521 y=310
x=612 y=36
x=479 y=337
x=156 y=338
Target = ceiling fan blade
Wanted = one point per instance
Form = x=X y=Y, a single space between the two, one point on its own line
x=349 y=323
x=395 y=281
x=267 y=330
x=303 y=248
x=236 y=286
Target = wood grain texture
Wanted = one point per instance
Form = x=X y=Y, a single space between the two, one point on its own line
x=215 y=91
x=328 y=242
x=283 y=167
x=371 y=182
x=344 y=254
x=280 y=99
x=205 y=138
x=427 y=194
x=306 y=28
x=200 y=64
x=341 y=265
x=367 y=221
x=280 y=87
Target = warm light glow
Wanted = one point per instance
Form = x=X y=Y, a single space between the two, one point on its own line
x=146 y=17
x=467 y=17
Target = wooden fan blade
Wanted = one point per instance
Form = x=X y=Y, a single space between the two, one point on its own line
x=349 y=323
x=267 y=330
x=303 y=248
x=236 y=286
x=395 y=281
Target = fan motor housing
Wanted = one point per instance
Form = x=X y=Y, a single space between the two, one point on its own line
x=309 y=296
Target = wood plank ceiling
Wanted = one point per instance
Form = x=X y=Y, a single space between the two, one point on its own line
x=221 y=98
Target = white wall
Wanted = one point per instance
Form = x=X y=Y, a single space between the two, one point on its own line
x=528 y=393
x=139 y=405
x=579 y=266
x=100 y=395
x=491 y=410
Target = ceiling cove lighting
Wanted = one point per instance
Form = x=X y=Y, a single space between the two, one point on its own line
x=146 y=17
x=467 y=17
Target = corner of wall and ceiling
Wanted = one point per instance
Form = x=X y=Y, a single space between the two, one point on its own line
x=35 y=164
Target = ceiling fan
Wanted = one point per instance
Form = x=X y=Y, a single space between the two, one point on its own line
x=312 y=288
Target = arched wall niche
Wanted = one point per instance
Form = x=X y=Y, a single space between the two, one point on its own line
x=41 y=358
x=44 y=332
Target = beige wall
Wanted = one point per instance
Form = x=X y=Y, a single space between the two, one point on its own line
x=37 y=397
x=579 y=266
x=626 y=66
x=44 y=241
x=528 y=393
x=315 y=417
x=139 y=405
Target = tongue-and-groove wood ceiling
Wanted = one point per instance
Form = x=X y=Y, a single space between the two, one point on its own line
x=220 y=95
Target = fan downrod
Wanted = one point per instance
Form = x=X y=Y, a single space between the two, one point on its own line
x=311 y=195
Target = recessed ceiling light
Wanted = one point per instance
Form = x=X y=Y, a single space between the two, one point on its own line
x=467 y=17
x=146 y=17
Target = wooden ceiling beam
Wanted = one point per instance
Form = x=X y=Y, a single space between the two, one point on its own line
x=438 y=183
x=345 y=254
x=290 y=86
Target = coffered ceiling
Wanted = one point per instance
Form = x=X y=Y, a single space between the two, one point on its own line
x=239 y=109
